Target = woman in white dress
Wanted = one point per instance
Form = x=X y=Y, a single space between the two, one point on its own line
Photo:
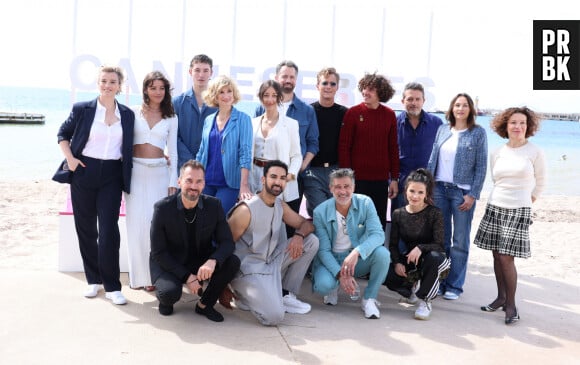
x=153 y=177
x=275 y=138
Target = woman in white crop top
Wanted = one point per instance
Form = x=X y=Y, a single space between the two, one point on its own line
x=153 y=177
x=517 y=171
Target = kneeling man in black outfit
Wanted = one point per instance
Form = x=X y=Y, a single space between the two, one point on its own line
x=191 y=242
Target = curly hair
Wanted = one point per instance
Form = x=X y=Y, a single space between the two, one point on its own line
x=500 y=121
x=166 y=106
x=472 y=112
x=385 y=90
x=214 y=88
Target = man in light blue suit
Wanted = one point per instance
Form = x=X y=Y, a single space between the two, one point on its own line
x=350 y=245
x=191 y=110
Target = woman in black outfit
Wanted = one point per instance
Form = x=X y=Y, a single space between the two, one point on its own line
x=97 y=142
x=418 y=226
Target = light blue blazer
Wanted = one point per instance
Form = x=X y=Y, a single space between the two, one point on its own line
x=236 y=150
x=362 y=224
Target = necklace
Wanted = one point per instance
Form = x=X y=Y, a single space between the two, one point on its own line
x=192 y=220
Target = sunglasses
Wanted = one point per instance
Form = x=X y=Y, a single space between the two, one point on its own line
x=326 y=83
x=343 y=225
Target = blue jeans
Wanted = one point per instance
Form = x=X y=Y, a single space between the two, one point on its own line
x=376 y=265
x=228 y=196
x=316 y=186
x=457 y=226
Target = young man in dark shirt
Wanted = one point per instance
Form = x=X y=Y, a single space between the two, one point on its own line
x=329 y=116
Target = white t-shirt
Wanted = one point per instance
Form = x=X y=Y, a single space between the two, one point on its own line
x=342 y=242
x=446 y=162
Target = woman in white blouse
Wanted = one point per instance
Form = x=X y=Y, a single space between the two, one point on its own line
x=275 y=138
x=96 y=140
x=518 y=174
x=153 y=176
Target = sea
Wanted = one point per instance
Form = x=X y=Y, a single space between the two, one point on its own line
x=31 y=152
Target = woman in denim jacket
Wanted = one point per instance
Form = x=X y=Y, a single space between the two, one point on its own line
x=459 y=163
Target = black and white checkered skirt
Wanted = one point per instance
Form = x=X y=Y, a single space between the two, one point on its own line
x=505 y=230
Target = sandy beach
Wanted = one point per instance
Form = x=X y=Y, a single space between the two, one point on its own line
x=43 y=309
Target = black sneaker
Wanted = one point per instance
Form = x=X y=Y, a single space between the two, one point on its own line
x=209 y=313
x=165 y=310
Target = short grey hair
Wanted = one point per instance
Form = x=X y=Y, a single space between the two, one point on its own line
x=340 y=173
x=414 y=86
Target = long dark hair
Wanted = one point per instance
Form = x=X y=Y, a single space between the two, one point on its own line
x=166 y=106
x=472 y=112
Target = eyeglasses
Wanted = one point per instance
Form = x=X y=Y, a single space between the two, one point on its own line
x=343 y=225
x=326 y=83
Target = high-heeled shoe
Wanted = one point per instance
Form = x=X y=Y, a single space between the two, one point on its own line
x=489 y=308
x=513 y=319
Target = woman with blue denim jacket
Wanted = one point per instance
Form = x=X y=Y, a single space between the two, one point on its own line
x=459 y=163
x=226 y=144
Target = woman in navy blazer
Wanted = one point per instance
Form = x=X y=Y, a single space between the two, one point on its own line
x=226 y=145
x=97 y=142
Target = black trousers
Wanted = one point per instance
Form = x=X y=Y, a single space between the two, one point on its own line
x=431 y=265
x=96 y=198
x=170 y=288
x=378 y=191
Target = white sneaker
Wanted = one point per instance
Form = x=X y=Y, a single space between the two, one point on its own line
x=370 y=307
x=92 y=290
x=424 y=310
x=116 y=297
x=293 y=305
x=449 y=295
x=332 y=297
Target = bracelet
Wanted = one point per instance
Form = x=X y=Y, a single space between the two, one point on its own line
x=299 y=234
x=193 y=281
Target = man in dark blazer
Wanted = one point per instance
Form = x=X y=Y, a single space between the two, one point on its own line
x=191 y=242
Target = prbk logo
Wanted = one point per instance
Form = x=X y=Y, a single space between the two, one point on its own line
x=556 y=54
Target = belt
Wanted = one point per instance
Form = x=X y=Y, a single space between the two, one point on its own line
x=260 y=163
x=322 y=164
x=447 y=184
x=151 y=162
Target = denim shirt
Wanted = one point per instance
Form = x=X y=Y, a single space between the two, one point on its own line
x=190 y=121
x=470 y=160
x=307 y=124
x=415 y=145
x=363 y=227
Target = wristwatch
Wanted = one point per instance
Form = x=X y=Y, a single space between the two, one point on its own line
x=299 y=234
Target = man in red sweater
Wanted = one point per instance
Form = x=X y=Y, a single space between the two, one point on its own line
x=368 y=143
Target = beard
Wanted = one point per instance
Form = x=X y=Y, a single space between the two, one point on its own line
x=274 y=189
x=287 y=88
x=191 y=195
x=414 y=112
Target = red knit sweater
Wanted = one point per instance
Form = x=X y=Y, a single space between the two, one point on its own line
x=368 y=143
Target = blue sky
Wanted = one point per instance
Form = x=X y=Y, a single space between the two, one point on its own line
x=482 y=48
